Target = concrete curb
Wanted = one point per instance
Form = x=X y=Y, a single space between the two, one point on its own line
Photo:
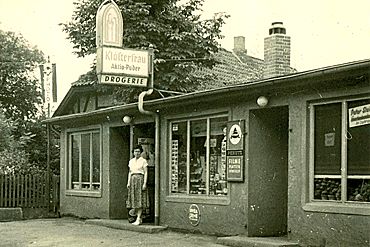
x=11 y=214
x=241 y=241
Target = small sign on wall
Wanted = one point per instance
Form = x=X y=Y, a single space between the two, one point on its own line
x=235 y=151
x=235 y=135
x=194 y=214
x=235 y=168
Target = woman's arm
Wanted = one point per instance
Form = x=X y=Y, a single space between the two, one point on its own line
x=145 y=177
x=129 y=179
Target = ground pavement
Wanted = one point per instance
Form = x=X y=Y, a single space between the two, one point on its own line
x=74 y=232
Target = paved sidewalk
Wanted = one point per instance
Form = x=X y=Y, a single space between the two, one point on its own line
x=76 y=233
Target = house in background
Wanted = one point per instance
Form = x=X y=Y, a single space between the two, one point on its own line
x=236 y=66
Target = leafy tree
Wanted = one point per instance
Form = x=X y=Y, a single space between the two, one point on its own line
x=182 y=41
x=22 y=135
x=19 y=93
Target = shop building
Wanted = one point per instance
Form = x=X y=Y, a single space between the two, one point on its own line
x=280 y=156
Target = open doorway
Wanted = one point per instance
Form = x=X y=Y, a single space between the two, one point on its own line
x=268 y=171
x=122 y=141
x=144 y=134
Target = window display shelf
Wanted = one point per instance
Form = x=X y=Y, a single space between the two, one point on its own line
x=328 y=176
x=339 y=176
x=358 y=176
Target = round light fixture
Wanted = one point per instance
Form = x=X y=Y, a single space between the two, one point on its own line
x=126 y=119
x=262 y=101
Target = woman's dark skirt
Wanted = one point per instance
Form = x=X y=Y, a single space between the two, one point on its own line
x=137 y=197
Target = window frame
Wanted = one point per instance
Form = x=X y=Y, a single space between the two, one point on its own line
x=68 y=157
x=331 y=206
x=202 y=198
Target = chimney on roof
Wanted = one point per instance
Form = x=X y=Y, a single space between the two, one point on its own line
x=239 y=43
x=277 y=51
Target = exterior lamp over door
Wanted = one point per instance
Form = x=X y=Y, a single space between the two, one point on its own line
x=127 y=119
x=262 y=101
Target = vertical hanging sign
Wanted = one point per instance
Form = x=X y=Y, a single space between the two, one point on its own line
x=115 y=65
x=109 y=25
x=235 y=151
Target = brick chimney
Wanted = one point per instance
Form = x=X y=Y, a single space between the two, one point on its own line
x=239 y=44
x=277 y=51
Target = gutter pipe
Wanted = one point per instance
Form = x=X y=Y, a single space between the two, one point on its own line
x=156 y=138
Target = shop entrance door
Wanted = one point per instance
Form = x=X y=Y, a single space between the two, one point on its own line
x=143 y=134
x=268 y=171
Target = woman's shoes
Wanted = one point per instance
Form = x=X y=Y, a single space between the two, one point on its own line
x=137 y=222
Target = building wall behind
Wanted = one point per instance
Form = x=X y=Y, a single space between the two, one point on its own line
x=318 y=227
x=83 y=206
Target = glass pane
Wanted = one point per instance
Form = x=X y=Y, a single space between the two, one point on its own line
x=96 y=158
x=358 y=190
x=75 y=141
x=217 y=162
x=179 y=157
x=358 y=138
x=85 y=162
x=327 y=189
x=328 y=127
x=198 y=167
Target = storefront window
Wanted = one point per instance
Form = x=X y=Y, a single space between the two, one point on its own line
x=198 y=156
x=341 y=157
x=84 y=161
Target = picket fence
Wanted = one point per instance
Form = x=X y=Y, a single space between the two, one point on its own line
x=29 y=191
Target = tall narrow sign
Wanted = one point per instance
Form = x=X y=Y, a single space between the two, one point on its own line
x=109 y=25
x=114 y=64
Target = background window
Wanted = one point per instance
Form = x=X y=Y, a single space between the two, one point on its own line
x=329 y=161
x=84 y=161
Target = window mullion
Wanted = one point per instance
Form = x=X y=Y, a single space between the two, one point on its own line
x=207 y=155
x=344 y=153
x=70 y=143
x=80 y=162
x=91 y=160
x=312 y=153
x=188 y=158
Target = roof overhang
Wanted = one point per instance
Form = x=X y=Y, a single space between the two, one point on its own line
x=313 y=78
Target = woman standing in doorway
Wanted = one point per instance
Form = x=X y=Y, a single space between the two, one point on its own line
x=136 y=184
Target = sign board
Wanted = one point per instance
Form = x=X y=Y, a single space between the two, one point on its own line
x=123 y=80
x=194 y=215
x=235 y=135
x=359 y=115
x=235 y=168
x=109 y=25
x=118 y=61
x=235 y=151
x=114 y=64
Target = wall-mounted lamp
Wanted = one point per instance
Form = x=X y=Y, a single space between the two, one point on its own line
x=127 y=119
x=262 y=101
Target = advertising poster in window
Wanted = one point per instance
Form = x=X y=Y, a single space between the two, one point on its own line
x=359 y=115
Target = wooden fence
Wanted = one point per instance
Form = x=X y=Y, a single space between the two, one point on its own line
x=29 y=191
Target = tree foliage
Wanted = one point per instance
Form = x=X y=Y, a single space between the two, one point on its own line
x=19 y=92
x=182 y=41
x=22 y=135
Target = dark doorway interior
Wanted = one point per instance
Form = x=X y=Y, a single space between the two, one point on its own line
x=268 y=172
x=143 y=134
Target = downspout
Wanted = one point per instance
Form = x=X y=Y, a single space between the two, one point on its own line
x=156 y=138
